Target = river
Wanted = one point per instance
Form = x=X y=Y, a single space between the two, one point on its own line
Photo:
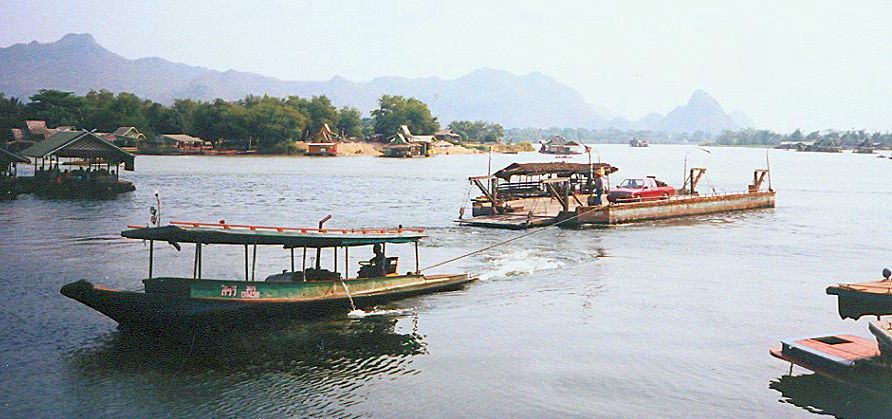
x=667 y=318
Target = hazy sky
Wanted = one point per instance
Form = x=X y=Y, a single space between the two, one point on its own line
x=787 y=64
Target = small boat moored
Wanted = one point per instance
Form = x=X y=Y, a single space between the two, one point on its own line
x=176 y=303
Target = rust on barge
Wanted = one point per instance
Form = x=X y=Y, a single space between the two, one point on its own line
x=688 y=203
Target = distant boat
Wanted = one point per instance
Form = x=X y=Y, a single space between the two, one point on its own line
x=558 y=145
x=177 y=303
x=638 y=143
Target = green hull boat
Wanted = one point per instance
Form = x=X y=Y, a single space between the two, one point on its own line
x=175 y=304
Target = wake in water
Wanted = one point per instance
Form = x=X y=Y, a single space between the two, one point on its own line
x=517 y=263
x=361 y=314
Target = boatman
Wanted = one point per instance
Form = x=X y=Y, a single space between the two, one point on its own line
x=599 y=188
x=379 y=261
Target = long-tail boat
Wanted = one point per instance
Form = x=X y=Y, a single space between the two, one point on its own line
x=312 y=291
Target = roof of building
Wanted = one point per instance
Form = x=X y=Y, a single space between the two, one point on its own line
x=422 y=138
x=558 y=140
x=207 y=233
x=82 y=144
x=35 y=125
x=17 y=134
x=181 y=138
x=557 y=168
x=7 y=157
x=127 y=131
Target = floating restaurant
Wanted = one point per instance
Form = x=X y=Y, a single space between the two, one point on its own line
x=76 y=164
x=8 y=163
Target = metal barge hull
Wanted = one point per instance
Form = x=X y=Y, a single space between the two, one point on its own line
x=664 y=209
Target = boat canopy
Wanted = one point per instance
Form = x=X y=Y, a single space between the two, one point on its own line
x=208 y=233
x=557 y=168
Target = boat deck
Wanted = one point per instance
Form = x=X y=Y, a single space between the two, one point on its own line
x=509 y=221
x=860 y=299
x=827 y=352
x=528 y=213
x=874 y=287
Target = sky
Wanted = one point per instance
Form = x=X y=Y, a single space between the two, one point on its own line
x=786 y=64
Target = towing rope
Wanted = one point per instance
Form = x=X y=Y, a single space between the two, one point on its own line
x=497 y=244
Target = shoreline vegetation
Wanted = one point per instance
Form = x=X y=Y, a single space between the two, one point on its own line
x=252 y=125
x=285 y=126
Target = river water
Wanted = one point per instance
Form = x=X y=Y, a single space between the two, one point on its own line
x=659 y=319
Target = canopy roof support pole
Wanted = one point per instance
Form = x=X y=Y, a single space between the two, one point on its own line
x=195 y=262
x=417 y=261
x=199 y=260
x=246 y=263
x=254 y=263
x=304 y=269
x=335 y=259
x=346 y=262
x=292 y=259
x=151 y=256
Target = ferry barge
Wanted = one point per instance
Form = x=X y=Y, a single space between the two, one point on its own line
x=175 y=303
x=687 y=202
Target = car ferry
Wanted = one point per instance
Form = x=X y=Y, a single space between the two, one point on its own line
x=174 y=302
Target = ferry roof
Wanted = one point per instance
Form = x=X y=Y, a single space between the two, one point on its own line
x=207 y=233
x=558 y=168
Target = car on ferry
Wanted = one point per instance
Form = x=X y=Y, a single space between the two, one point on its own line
x=637 y=190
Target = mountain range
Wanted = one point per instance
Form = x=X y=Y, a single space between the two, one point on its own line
x=77 y=63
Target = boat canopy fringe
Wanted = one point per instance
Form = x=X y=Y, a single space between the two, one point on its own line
x=206 y=233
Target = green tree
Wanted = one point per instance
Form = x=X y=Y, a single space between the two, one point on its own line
x=274 y=125
x=12 y=115
x=394 y=111
x=56 y=108
x=349 y=122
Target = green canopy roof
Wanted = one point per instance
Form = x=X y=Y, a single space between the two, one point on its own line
x=81 y=144
x=287 y=237
x=7 y=157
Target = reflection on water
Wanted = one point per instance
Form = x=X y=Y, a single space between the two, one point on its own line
x=818 y=394
x=307 y=368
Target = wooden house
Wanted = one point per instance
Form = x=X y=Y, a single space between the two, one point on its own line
x=172 y=144
x=405 y=144
x=558 y=145
x=325 y=143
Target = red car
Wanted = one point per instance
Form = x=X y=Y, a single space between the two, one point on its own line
x=636 y=190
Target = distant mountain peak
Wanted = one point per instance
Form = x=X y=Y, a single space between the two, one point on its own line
x=529 y=100
x=701 y=98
